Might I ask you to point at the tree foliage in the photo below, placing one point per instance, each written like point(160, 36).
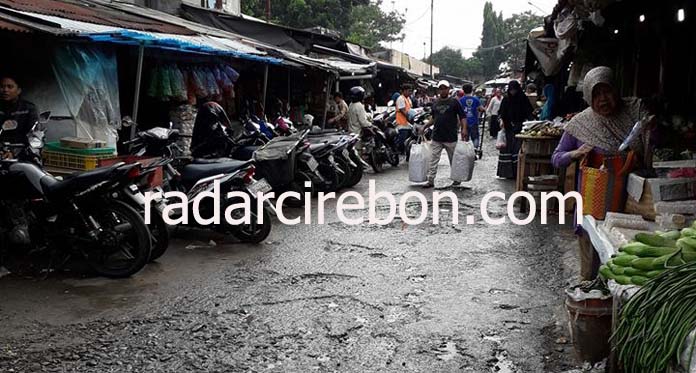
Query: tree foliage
point(504, 40)
point(452, 62)
point(359, 21)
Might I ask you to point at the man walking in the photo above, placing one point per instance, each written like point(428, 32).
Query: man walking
point(449, 120)
point(403, 106)
point(472, 107)
point(492, 110)
point(340, 121)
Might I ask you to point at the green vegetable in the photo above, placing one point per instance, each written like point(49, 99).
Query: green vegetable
point(606, 273)
point(653, 325)
point(639, 280)
point(671, 235)
point(622, 280)
point(647, 264)
point(689, 242)
point(624, 260)
point(617, 270)
point(630, 271)
point(662, 262)
point(633, 248)
point(688, 232)
point(655, 273)
point(655, 240)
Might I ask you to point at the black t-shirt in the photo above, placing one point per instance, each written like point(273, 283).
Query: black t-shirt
point(447, 114)
point(24, 113)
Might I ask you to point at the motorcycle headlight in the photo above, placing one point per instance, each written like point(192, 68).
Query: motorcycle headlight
point(36, 143)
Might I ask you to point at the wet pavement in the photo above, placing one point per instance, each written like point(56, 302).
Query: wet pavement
point(329, 298)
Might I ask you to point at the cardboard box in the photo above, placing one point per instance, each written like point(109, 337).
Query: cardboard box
point(80, 143)
point(661, 189)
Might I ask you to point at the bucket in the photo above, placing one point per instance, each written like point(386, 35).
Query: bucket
point(590, 328)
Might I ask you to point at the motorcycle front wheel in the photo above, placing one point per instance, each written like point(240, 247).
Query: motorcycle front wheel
point(356, 176)
point(344, 177)
point(159, 231)
point(376, 161)
point(124, 244)
point(254, 232)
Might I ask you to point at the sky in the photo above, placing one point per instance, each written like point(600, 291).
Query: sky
point(458, 23)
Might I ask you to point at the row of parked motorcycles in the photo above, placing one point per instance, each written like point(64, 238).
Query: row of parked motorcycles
point(97, 217)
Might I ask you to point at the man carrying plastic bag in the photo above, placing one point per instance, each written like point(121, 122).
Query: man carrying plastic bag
point(419, 162)
point(449, 120)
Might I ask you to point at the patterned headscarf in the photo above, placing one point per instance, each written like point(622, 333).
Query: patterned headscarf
point(606, 133)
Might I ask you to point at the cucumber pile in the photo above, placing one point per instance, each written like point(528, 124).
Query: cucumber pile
point(650, 255)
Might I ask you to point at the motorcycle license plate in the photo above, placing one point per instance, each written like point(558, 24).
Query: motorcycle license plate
point(345, 153)
point(261, 186)
point(312, 164)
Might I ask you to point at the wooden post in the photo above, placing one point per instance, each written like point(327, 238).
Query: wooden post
point(326, 103)
point(265, 88)
point(136, 95)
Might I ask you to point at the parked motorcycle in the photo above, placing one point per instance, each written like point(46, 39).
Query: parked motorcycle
point(75, 216)
point(193, 176)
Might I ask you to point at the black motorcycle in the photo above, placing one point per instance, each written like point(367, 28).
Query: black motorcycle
point(78, 216)
point(193, 176)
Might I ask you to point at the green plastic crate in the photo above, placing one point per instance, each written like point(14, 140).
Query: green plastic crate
point(56, 147)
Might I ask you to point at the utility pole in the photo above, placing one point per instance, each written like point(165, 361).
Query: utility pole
point(268, 10)
point(432, 17)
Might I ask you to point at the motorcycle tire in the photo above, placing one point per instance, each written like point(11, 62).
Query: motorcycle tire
point(298, 185)
point(345, 177)
point(114, 219)
point(393, 158)
point(376, 161)
point(159, 231)
point(356, 176)
point(408, 151)
point(254, 233)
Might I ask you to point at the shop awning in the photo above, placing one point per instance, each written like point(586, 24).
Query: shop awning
point(187, 41)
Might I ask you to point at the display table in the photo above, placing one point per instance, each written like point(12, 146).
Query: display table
point(622, 293)
point(533, 161)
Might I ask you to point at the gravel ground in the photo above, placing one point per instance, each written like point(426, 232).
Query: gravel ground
point(328, 298)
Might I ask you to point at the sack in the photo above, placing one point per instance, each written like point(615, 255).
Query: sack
point(463, 162)
point(603, 183)
point(419, 162)
point(501, 141)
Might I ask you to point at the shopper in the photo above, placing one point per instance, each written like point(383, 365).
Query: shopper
point(403, 107)
point(547, 111)
point(340, 120)
point(449, 120)
point(472, 107)
point(492, 110)
point(514, 110)
point(15, 109)
point(598, 131)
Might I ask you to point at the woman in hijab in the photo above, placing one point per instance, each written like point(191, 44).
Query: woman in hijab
point(598, 131)
point(514, 110)
point(549, 106)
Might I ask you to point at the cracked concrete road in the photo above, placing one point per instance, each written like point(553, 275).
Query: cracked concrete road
point(329, 298)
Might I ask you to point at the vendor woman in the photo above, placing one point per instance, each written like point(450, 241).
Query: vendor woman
point(598, 131)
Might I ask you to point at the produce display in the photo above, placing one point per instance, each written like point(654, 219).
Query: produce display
point(654, 324)
point(542, 129)
point(650, 255)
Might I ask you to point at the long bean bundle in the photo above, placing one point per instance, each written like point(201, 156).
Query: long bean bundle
point(656, 321)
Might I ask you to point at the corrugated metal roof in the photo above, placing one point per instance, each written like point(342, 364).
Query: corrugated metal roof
point(91, 12)
point(11, 26)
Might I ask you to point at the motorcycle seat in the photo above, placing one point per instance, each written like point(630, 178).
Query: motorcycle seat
point(211, 160)
point(52, 186)
point(194, 172)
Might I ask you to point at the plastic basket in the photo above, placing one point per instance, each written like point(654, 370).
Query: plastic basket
point(57, 148)
point(71, 161)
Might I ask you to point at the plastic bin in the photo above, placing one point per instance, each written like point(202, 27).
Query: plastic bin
point(70, 161)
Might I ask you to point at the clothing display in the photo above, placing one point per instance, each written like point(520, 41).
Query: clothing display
point(180, 82)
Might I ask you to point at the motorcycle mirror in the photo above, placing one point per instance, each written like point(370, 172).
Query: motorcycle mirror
point(9, 125)
point(44, 117)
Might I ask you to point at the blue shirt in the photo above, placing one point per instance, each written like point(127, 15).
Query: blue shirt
point(471, 105)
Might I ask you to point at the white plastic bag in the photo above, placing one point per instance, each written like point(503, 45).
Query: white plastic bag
point(463, 161)
point(419, 162)
point(501, 141)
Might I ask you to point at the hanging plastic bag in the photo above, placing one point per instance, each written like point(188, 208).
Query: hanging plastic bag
point(463, 161)
point(419, 162)
point(501, 141)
